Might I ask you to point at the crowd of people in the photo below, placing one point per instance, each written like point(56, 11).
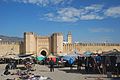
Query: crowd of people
point(99, 64)
point(94, 63)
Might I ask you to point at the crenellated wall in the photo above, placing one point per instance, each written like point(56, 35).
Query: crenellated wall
point(52, 44)
point(7, 47)
point(93, 47)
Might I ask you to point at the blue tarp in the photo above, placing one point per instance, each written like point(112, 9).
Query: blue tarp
point(70, 58)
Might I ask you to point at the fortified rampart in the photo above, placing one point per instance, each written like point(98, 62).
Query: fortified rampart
point(93, 47)
point(45, 45)
point(7, 47)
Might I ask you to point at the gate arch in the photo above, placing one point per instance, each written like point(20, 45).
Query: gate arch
point(43, 52)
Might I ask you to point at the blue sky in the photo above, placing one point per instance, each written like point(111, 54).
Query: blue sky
point(88, 20)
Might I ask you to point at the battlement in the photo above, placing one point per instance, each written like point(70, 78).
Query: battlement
point(94, 44)
point(29, 33)
point(59, 34)
point(9, 43)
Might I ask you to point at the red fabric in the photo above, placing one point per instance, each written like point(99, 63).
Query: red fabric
point(53, 58)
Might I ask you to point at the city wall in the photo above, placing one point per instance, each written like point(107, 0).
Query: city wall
point(7, 48)
point(52, 44)
point(93, 47)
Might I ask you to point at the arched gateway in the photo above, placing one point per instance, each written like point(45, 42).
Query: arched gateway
point(43, 52)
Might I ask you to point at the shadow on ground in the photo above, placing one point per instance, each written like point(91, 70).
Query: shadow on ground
point(117, 78)
point(82, 71)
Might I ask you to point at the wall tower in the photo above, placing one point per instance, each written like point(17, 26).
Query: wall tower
point(30, 42)
point(57, 43)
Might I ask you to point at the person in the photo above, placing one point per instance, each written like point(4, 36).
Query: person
point(6, 72)
point(79, 63)
point(98, 61)
point(70, 62)
point(51, 62)
point(104, 64)
point(7, 67)
point(118, 65)
point(87, 64)
point(113, 64)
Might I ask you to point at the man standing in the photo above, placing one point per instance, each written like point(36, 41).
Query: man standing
point(79, 63)
point(51, 62)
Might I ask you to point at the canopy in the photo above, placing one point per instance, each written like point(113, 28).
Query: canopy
point(52, 56)
point(87, 53)
point(111, 53)
point(25, 55)
point(40, 58)
point(70, 57)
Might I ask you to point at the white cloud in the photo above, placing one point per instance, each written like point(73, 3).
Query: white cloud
point(66, 19)
point(90, 17)
point(113, 12)
point(95, 7)
point(101, 30)
point(49, 15)
point(60, 18)
point(43, 2)
point(92, 12)
point(71, 14)
point(64, 15)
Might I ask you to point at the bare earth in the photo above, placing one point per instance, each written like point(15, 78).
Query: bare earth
point(58, 74)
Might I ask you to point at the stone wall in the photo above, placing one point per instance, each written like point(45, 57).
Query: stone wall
point(57, 43)
point(9, 48)
point(93, 47)
point(54, 43)
point(30, 42)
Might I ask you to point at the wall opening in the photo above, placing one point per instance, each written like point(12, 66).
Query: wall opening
point(44, 53)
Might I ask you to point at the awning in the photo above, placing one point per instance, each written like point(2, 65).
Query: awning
point(87, 53)
point(25, 55)
point(40, 58)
